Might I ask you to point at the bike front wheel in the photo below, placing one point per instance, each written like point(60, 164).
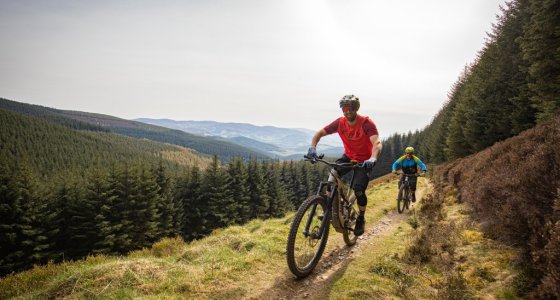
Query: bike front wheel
point(407, 198)
point(350, 213)
point(307, 243)
point(401, 201)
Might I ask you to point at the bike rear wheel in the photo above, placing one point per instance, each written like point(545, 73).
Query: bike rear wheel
point(304, 251)
point(350, 214)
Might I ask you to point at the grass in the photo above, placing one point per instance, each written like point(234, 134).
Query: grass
point(245, 261)
point(466, 264)
point(234, 262)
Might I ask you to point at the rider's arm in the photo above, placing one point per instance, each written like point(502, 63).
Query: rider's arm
point(420, 163)
point(318, 135)
point(377, 146)
point(329, 129)
point(371, 130)
point(397, 163)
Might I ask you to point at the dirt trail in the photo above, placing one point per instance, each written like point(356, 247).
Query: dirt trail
point(287, 287)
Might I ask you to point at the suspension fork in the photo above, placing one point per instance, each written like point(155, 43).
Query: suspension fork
point(324, 221)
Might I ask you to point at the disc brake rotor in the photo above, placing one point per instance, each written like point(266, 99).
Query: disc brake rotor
point(314, 237)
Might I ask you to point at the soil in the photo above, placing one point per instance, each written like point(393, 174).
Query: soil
point(288, 287)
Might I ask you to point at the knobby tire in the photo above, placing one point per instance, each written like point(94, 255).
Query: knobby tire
point(348, 233)
point(407, 198)
point(401, 202)
point(303, 253)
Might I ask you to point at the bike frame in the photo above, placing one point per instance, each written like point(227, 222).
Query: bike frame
point(406, 183)
point(336, 190)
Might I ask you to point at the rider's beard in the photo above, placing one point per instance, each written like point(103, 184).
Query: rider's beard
point(350, 116)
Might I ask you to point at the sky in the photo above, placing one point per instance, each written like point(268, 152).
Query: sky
point(283, 63)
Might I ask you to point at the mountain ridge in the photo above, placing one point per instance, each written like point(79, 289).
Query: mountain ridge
point(101, 122)
point(279, 142)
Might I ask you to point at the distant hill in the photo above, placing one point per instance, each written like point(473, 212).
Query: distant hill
point(98, 122)
point(48, 147)
point(253, 144)
point(276, 141)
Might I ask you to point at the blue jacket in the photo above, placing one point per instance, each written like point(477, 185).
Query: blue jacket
point(409, 165)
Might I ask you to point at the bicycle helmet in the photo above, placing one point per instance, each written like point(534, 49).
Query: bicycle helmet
point(350, 100)
point(409, 150)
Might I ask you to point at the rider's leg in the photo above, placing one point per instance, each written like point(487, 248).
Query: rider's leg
point(360, 184)
point(413, 188)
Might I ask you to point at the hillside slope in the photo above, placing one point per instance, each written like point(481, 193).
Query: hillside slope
point(49, 148)
point(513, 188)
point(249, 262)
point(99, 122)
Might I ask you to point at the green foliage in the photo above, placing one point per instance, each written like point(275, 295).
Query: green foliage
point(189, 194)
point(222, 208)
point(540, 43)
point(258, 197)
point(513, 83)
point(239, 187)
point(22, 215)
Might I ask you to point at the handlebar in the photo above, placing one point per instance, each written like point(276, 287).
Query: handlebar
point(409, 175)
point(353, 164)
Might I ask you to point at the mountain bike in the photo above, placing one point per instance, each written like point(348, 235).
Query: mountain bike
point(334, 203)
point(405, 191)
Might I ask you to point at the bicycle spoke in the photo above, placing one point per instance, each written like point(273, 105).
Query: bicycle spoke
point(351, 214)
point(305, 246)
point(305, 242)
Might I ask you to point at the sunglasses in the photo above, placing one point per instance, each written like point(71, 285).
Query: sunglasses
point(347, 108)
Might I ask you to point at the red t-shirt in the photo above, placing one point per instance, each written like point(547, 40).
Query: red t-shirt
point(357, 145)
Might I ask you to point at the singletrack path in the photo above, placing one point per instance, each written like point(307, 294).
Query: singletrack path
point(288, 287)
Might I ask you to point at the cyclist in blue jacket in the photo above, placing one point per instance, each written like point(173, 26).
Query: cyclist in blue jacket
point(409, 164)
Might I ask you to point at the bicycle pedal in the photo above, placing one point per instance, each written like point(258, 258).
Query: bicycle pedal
point(320, 217)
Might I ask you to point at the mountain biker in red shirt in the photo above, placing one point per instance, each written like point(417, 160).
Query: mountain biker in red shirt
point(361, 143)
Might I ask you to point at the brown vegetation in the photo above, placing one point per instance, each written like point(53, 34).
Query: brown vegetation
point(513, 188)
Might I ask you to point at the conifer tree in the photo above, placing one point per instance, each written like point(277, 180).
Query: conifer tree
point(237, 175)
point(169, 212)
point(100, 190)
point(540, 44)
point(222, 210)
point(114, 218)
point(195, 208)
point(143, 213)
point(11, 214)
point(303, 188)
point(289, 182)
point(23, 238)
point(59, 207)
point(279, 203)
point(260, 201)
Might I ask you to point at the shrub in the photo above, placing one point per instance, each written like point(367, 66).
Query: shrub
point(513, 188)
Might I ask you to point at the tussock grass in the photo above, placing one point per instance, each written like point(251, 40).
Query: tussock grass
point(449, 258)
point(226, 264)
